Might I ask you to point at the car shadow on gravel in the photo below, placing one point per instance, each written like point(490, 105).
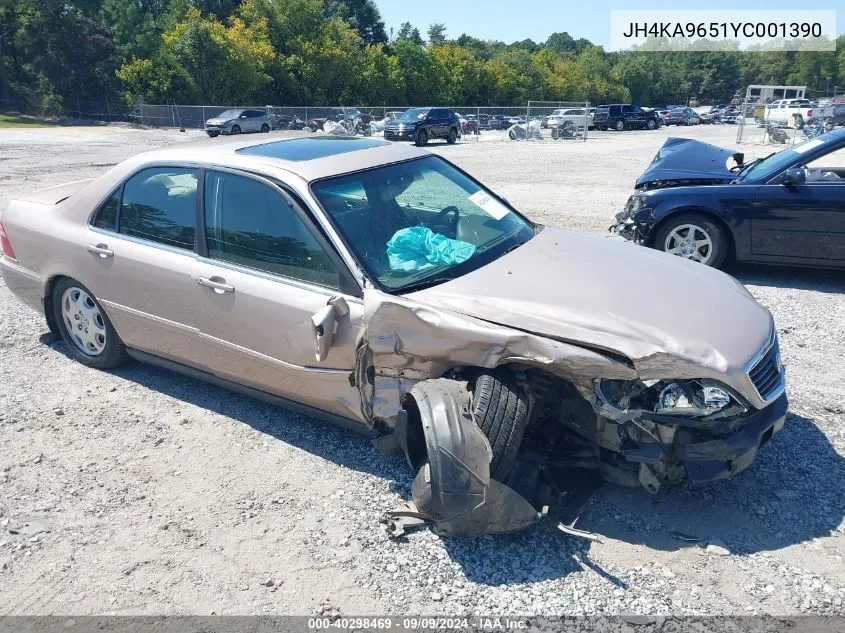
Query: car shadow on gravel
point(341, 446)
point(819, 280)
point(791, 494)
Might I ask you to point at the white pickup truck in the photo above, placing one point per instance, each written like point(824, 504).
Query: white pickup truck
point(794, 112)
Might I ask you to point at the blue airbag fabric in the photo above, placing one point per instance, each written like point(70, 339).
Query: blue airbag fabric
point(418, 248)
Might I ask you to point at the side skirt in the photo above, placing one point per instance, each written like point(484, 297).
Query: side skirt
point(269, 398)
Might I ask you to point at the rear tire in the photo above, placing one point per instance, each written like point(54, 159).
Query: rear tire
point(501, 411)
point(453, 136)
point(236, 129)
point(619, 126)
point(113, 352)
point(265, 129)
point(651, 124)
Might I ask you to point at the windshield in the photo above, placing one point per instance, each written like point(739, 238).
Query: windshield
point(414, 114)
point(229, 114)
point(775, 163)
point(420, 222)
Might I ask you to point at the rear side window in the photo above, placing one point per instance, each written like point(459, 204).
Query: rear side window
point(160, 205)
point(250, 224)
point(106, 216)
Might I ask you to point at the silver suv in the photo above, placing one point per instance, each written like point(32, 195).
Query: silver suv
point(238, 121)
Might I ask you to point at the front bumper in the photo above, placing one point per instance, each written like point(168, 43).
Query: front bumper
point(654, 449)
point(625, 226)
point(707, 457)
point(400, 135)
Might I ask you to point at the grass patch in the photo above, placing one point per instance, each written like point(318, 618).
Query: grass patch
point(14, 120)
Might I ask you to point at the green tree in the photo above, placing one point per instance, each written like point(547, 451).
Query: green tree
point(409, 33)
point(436, 34)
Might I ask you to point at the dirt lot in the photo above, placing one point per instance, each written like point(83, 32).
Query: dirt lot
point(140, 491)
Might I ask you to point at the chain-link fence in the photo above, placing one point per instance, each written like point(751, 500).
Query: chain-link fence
point(105, 110)
point(550, 119)
point(561, 119)
point(759, 125)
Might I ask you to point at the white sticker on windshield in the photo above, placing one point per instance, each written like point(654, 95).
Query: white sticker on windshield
point(806, 147)
point(489, 204)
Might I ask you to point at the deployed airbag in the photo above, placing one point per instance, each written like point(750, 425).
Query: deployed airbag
point(418, 248)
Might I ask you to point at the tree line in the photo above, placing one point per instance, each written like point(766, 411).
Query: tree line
point(54, 53)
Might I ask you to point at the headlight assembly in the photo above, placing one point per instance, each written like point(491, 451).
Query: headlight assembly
point(690, 398)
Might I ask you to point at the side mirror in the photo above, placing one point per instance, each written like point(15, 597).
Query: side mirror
point(323, 325)
point(243, 116)
point(793, 176)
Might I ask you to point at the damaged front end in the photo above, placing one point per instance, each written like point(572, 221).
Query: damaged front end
point(592, 419)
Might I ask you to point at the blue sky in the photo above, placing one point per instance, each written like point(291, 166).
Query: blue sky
point(537, 19)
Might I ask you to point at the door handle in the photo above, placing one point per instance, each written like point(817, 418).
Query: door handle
point(218, 284)
point(100, 249)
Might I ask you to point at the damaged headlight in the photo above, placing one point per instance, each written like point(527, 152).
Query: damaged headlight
point(692, 398)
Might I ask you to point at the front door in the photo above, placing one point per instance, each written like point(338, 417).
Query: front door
point(266, 273)
point(805, 221)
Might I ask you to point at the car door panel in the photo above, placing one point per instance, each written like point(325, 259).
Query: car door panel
point(146, 293)
point(800, 222)
point(262, 336)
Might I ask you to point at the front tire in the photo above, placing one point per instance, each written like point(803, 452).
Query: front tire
point(693, 236)
point(236, 129)
point(84, 326)
point(619, 126)
point(453, 136)
point(421, 139)
point(500, 409)
point(213, 134)
point(651, 124)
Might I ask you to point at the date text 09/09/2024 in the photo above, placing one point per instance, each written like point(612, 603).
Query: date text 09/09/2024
point(419, 623)
point(723, 29)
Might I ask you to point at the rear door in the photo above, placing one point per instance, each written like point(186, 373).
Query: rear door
point(141, 262)
point(264, 272)
point(804, 223)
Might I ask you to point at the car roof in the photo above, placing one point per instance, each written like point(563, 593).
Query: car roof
point(310, 158)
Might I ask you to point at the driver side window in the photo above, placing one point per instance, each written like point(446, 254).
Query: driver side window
point(829, 168)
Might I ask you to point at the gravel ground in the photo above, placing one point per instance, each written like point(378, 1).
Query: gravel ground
point(139, 491)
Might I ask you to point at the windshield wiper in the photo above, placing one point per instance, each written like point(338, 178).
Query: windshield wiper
point(513, 248)
point(423, 284)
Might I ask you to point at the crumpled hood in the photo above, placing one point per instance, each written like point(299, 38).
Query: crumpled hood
point(670, 316)
point(686, 158)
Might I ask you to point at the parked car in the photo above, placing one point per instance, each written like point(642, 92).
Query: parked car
point(682, 116)
point(837, 117)
point(786, 208)
point(469, 124)
point(622, 117)
point(499, 122)
point(707, 118)
point(380, 287)
point(393, 114)
point(424, 124)
point(577, 116)
point(237, 122)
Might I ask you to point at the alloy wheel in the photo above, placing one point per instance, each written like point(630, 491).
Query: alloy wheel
point(689, 241)
point(84, 322)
